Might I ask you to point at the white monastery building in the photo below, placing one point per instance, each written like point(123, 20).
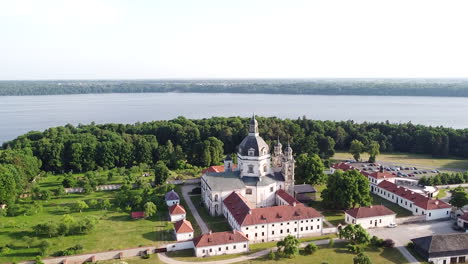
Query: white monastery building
point(369, 217)
point(183, 230)
point(257, 176)
point(220, 243)
point(176, 213)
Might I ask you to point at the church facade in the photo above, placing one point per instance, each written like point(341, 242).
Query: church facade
point(258, 175)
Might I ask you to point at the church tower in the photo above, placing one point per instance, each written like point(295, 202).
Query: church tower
point(288, 170)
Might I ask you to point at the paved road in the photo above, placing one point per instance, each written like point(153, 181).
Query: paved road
point(164, 258)
point(411, 259)
point(201, 223)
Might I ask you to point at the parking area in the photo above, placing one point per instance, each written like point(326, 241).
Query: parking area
point(403, 233)
point(398, 170)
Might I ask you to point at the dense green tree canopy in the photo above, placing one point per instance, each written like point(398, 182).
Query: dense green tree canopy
point(309, 169)
point(347, 190)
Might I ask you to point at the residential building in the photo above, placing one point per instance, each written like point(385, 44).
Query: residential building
point(257, 176)
point(176, 213)
point(183, 230)
point(369, 217)
point(462, 221)
point(304, 192)
point(272, 223)
point(220, 243)
point(443, 248)
point(417, 203)
point(171, 198)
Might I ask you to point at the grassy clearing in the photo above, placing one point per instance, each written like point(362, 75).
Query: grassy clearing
point(335, 217)
point(442, 193)
point(412, 160)
point(400, 211)
point(339, 254)
point(214, 223)
point(115, 229)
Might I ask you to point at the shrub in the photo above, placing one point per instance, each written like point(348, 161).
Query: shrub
point(271, 255)
point(4, 250)
point(146, 256)
point(331, 243)
point(354, 248)
point(388, 243)
point(410, 245)
point(361, 259)
point(310, 249)
point(376, 242)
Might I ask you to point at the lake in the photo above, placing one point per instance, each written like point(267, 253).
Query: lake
point(20, 114)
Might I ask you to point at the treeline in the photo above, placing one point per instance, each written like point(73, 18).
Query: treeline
point(182, 142)
point(395, 87)
point(444, 178)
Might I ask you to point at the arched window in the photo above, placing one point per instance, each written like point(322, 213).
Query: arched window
point(250, 169)
point(216, 208)
point(264, 168)
point(216, 198)
point(251, 152)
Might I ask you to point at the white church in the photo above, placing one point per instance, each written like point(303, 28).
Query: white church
point(257, 176)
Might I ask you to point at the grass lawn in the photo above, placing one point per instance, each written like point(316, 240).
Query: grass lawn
point(442, 193)
point(335, 217)
point(400, 211)
point(115, 229)
point(412, 159)
point(188, 256)
point(339, 254)
point(214, 223)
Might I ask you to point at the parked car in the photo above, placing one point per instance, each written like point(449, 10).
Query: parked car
point(425, 172)
point(393, 225)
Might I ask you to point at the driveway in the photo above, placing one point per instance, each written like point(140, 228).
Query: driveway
point(185, 193)
point(402, 234)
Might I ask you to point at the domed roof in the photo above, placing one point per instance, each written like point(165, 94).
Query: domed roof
point(253, 142)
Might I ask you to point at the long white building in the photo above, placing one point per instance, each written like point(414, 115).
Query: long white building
point(272, 223)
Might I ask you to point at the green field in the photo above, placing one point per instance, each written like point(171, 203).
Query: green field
point(418, 160)
point(338, 254)
point(214, 223)
point(115, 228)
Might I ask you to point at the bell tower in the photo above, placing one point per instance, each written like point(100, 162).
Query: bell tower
point(288, 170)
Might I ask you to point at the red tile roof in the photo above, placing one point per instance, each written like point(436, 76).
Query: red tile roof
point(183, 226)
point(371, 211)
point(344, 166)
point(219, 238)
point(418, 199)
point(380, 175)
point(287, 197)
point(136, 215)
point(464, 216)
point(246, 215)
point(218, 168)
point(176, 209)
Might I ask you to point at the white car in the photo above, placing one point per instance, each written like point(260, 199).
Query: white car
point(393, 225)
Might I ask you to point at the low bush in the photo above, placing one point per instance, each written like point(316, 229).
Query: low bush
point(388, 243)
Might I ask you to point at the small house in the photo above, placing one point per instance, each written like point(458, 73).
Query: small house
point(176, 213)
point(371, 216)
point(171, 198)
point(220, 243)
point(183, 230)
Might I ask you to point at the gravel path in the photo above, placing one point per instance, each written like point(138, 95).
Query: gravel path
point(201, 223)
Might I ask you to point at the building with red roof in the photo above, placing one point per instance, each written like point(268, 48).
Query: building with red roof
point(220, 243)
point(284, 198)
point(344, 166)
point(415, 202)
point(137, 215)
point(371, 216)
point(217, 168)
point(176, 213)
point(271, 223)
point(183, 230)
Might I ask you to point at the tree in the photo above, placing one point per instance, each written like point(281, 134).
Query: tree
point(347, 190)
point(310, 248)
point(309, 169)
point(289, 246)
point(105, 204)
point(29, 241)
point(150, 209)
point(356, 148)
point(355, 233)
point(44, 247)
point(361, 259)
point(80, 206)
point(374, 150)
point(331, 243)
point(161, 173)
point(92, 203)
point(271, 255)
point(459, 197)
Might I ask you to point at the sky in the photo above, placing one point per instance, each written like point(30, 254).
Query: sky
point(198, 39)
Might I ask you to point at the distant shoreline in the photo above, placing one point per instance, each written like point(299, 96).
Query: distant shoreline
point(360, 87)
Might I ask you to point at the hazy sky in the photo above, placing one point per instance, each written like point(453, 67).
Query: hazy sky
point(92, 39)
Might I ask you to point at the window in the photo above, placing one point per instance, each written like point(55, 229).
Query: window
point(246, 228)
point(287, 230)
point(302, 229)
point(295, 229)
point(272, 232)
point(255, 234)
point(447, 212)
point(307, 228)
point(311, 227)
point(264, 168)
point(227, 248)
point(245, 245)
point(256, 227)
point(219, 249)
point(263, 233)
point(211, 250)
point(429, 214)
point(234, 247)
point(250, 169)
point(263, 226)
point(189, 235)
point(248, 191)
point(247, 235)
point(216, 198)
point(271, 189)
point(251, 152)
point(380, 220)
point(203, 251)
point(318, 227)
point(281, 223)
point(281, 231)
point(371, 222)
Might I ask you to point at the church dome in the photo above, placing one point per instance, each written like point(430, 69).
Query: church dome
point(255, 143)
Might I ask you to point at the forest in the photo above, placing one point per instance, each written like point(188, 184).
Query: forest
point(182, 143)
point(378, 87)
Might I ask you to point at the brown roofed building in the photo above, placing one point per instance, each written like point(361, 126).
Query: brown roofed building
point(371, 216)
point(462, 221)
point(183, 230)
point(443, 248)
point(284, 198)
point(271, 223)
point(220, 243)
point(176, 213)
